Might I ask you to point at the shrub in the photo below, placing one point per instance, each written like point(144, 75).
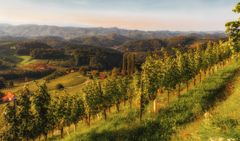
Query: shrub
point(59, 86)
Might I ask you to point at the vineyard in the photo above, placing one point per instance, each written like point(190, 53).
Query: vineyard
point(37, 113)
point(151, 102)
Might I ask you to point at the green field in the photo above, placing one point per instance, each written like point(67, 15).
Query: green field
point(24, 60)
point(72, 83)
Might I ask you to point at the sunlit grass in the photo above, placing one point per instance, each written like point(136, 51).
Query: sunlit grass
point(24, 60)
point(225, 110)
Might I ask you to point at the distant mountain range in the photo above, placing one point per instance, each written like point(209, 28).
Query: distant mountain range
point(110, 40)
point(78, 33)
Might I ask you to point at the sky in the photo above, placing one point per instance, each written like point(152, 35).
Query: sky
point(173, 15)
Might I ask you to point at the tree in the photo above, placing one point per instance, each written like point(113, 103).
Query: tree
point(25, 116)
point(112, 92)
point(59, 86)
point(134, 87)
point(77, 110)
point(67, 118)
point(10, 116)
point(108, 91)
point(171, 75)
point(61, 112)
point(197, 58)
point(185, 69)
point(193, 66)
point(93, 98)
point(152, 75)
point(233, 31)
point(41, 101)
point(53, 113)
point(144, 99)
point(122, 85)
point(131, 92)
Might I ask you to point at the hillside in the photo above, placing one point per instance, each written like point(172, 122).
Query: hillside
point(160, 126)
point(53, 41)
point(110, 40)
point(181, 42)
point(69, 81)
point(219, 123)
point(75, 32)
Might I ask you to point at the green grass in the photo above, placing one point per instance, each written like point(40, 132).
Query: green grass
point(25, 60)
point(72, 82)
point(126, 126)
point(223, 121)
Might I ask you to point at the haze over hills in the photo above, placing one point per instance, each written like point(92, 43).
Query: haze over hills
point(79, 32)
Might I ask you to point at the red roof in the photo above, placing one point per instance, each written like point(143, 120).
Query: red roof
point(8, 97)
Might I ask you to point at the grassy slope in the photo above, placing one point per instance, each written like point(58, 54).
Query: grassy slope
point(28, 60)
point(126, 126)
point(24, 60)
point(70, 81)
point(73, 82)
point(220, 123)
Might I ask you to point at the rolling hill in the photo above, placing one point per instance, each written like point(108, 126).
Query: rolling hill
point(76, 32)
point(110, 40)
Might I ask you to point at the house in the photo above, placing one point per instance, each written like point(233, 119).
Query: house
point(7, 97)
point(41, 67)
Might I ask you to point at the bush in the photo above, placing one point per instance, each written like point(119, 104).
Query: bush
point(59, 86)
